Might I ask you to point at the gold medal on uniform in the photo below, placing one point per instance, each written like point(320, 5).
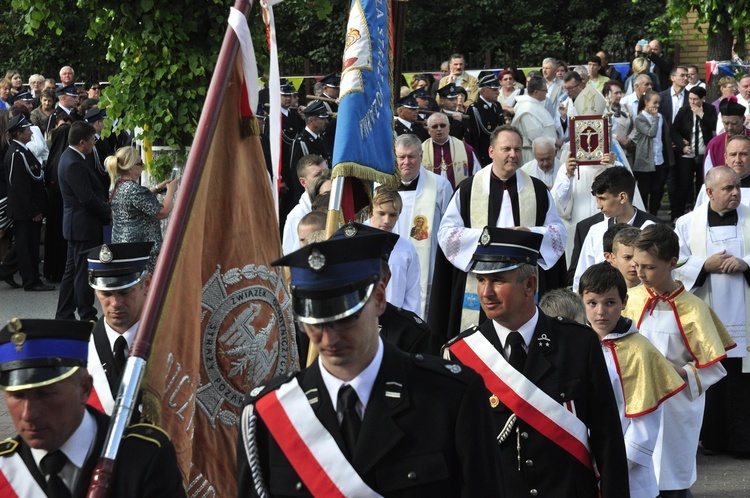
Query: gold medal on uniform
point(494, 401)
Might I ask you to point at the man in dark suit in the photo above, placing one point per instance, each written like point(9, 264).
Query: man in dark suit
point(673, 99)
point(27, 205)
point(693, 127)
point(370, 418)
point(85, 212)
point(119, 276)
point(59, 441)
point(546, 379)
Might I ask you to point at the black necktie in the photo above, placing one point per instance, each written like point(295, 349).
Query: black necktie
point(51, 465)
point(350, 422)
point(517, 357)
point(121, 345)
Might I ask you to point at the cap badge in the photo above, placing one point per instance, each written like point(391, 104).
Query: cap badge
point(485, 238)
point(105, 254)
point(350, 230)
point(494, 401)
point(316, 260)
point(17, 337)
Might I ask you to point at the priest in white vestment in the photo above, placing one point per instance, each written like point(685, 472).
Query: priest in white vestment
point(425, 197)
point(499, 195)
point(532, 118)
point(715, 266)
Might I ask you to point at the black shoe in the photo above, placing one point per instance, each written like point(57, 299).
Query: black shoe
point(11, 281)
point(39, 287)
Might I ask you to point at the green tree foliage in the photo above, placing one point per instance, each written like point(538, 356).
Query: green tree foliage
point(720, 24)
point(45, 51)
point(162, 52)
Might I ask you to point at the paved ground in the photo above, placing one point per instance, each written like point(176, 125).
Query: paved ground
point(717, 475)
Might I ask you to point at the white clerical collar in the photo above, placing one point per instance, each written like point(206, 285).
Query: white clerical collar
point(446, 141)
point(76, 449)
point(526, 330)
point(78, 151)
point(416, 179)
point(362, 383)
point(112, 334)
point(314, 135)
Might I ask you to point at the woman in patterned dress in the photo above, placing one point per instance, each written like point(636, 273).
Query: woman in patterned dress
point(136, 211)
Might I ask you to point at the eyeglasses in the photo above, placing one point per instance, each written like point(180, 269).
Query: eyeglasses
point(569, 88)
point(436, 126)
point(95, 88)
point(507, 79)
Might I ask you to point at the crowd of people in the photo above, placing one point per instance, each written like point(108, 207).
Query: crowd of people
point(590, 342)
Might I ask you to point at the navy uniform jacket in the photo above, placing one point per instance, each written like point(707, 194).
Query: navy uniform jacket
point(484, 118)
point(416, 129)
point(569, 367)
point(433, 438)
point(407, 331)
point(27, 197)
point(85, 208)
point(103, 148)
point(147, 463)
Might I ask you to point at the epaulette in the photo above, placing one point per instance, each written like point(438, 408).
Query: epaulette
point(444, 367)
point(8, 447)
point(147, 432)
point(261, 390)
point(467, 332)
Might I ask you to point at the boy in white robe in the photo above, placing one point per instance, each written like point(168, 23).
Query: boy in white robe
point(641, 377)
point(403, 290)
point(690, 335)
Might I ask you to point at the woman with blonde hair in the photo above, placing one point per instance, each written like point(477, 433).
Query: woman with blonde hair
point(136, 212)
point(641, 65)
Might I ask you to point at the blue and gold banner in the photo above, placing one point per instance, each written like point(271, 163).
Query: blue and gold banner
point(364, 129)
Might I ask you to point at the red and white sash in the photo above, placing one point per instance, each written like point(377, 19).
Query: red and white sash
point(101, 396)
point(16, 481)
point(308, 445)
point(527, 401)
